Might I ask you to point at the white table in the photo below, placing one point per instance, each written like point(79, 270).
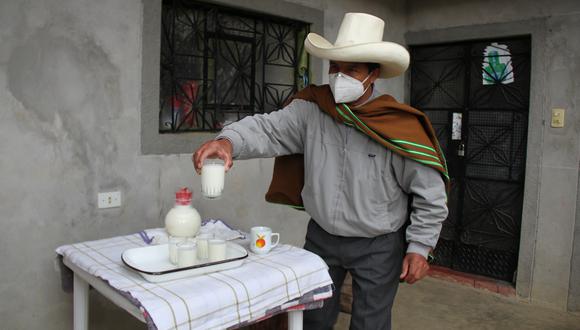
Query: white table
point(84, 280)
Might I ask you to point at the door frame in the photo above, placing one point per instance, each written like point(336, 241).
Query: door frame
point(536, 29)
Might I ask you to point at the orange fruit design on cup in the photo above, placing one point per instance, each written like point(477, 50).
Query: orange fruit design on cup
point(260, 242)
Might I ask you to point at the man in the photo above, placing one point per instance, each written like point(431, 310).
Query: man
point(364, 155)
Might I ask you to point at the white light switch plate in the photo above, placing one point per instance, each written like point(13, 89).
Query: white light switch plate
point(558, 118)
point(109, 199)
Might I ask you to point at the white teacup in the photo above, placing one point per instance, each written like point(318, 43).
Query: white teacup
point(212, 178)
point(261, 239)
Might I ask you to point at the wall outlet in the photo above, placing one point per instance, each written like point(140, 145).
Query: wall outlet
point(109, 199)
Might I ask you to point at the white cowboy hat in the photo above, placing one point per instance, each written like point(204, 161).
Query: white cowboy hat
point(360, 39)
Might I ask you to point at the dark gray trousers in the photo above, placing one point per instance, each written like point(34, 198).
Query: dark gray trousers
point(374, 264)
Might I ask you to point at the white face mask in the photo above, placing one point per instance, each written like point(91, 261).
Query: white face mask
point(345, 88)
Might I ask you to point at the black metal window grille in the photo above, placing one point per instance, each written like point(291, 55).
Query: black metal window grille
point(221, 64)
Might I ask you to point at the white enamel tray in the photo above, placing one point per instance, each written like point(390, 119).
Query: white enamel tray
point(152, 262)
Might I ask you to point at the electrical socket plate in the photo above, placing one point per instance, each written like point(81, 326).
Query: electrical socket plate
point(558, 117)
point(109, 199)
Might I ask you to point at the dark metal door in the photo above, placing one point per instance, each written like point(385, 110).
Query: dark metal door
point(476, 94)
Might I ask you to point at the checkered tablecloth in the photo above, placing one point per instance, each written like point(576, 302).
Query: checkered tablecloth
point(286, 278)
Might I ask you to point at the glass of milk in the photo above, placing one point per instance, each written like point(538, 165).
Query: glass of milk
point(216, 250)
point(212, 178)
point(174, 241)
point(186, 253)
point(202, 241)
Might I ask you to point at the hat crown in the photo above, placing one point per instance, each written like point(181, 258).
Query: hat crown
point(359, 28)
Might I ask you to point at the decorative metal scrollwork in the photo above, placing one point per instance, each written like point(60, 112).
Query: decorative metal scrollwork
point(220, 64)
point(486, 86)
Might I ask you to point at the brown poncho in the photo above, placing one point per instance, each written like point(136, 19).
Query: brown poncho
point(399, 127)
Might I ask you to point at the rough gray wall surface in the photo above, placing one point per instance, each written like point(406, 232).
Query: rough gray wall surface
point(553, 277)
point(70, 93)
point(568, 65)
point(434, 14)
point(69, 85)
point(555, 259)
point(574, 294)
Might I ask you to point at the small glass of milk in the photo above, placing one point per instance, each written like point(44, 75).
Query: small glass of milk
point(217, 250)
point(174, 241)
point(202, 241)
point(212, 178)
point(186, 253)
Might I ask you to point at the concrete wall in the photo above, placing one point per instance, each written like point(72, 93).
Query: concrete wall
point(549, 266)
point(574, 294)
point(70, 107)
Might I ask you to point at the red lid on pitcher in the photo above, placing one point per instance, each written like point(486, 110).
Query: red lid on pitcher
point(183, 196)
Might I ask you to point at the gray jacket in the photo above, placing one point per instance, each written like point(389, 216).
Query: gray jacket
point(353, 185)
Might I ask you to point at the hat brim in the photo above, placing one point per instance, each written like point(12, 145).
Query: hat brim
point(393, 58)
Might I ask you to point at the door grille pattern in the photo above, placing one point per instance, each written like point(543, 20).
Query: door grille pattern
point(481, 233)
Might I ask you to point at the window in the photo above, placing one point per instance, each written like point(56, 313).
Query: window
point(221, 64)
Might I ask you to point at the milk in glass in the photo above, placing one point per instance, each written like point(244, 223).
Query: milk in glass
point(212, 178)
point(216, 250)
point(186, 254)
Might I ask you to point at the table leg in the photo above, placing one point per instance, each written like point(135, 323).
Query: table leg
point(81, 303)
point(295, 320)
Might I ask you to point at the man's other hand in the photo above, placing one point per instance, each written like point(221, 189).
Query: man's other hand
point(415, 267)
point(221, 149)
